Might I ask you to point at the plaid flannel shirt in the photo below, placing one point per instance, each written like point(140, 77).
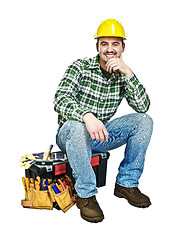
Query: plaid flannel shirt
point(84, 88)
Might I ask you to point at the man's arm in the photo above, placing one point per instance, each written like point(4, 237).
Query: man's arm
point(64, 100)
point(135, 93)
point(68, 108)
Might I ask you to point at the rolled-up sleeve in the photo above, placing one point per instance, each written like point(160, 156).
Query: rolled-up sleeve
point(136, 95)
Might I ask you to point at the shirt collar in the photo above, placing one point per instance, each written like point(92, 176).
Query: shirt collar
point(94, 64)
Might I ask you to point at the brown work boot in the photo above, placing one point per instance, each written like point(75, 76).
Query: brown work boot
point(89, 209)
point(133, 195)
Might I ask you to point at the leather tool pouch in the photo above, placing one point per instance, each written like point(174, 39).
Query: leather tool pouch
point(63, 199)
point(38, 199)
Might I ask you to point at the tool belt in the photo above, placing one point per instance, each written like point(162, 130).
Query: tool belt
point(49, 182)
point(46, 182)
point(48, 193)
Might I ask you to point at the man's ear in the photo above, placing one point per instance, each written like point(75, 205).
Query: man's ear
point(123, 47)
point(97, 47)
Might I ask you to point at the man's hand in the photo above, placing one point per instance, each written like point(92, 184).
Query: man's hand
point(117, 64)
point(95, 127)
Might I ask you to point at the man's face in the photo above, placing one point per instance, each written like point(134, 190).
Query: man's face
point(109, 47)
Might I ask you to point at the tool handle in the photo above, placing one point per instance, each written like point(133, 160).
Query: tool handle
point(62, 185)
point(27, 184)
point(56, 190)
point(47, 153)
point(24, 182)
point(51, 193)
point(37, 186)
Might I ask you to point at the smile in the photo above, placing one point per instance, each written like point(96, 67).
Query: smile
point(110, 55)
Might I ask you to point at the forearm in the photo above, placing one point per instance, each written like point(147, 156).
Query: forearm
point(136, 95)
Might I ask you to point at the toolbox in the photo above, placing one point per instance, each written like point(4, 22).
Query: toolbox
point(58, 165)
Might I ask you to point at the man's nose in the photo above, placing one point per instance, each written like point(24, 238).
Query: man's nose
point(109, 48)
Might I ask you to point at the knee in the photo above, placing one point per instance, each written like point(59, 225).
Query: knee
point(146, 121)
point(73, 134)
point(76, 130)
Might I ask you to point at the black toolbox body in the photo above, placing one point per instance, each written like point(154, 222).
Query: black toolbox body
point(51, 169)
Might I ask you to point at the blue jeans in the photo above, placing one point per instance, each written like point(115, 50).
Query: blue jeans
point(134, 130)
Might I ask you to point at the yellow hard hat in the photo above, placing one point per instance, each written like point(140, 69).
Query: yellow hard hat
point(110, 28)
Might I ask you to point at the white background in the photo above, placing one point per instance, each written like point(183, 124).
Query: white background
point(39, 39)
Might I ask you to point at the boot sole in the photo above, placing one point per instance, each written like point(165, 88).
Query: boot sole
point(139, 205)
point(92, 220)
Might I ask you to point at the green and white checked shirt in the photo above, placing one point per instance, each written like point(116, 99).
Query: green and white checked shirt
point(85, 89)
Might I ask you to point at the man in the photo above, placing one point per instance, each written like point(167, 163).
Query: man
point(87, 97)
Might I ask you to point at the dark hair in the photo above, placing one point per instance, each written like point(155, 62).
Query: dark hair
point(99, 38)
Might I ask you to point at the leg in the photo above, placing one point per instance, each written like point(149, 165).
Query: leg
point(74, 139)
point(135, 131)
point(131, 168)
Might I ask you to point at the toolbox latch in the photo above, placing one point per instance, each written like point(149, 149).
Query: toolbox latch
point(95, 161)
point(49, 168)
point(60, 169)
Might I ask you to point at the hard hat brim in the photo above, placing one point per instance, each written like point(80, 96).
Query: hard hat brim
point(96, 37)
